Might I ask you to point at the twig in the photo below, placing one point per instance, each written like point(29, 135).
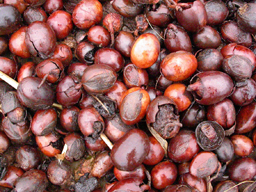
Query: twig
point(9, 80)
point(106, 140)
point(238, 185)
point(154, 29)
point(100, 103)
point(58, 106)
point(61, 156)
point(161, 140)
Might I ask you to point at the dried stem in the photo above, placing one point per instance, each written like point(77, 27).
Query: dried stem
point(209, 184)
point(9, 80)
point(161, 140)
point(158, 79)
point(253, 36)
point(153, 28)
point(58, 106)
point(238, 185)
point(61, 156)
point(217, 174)
point(191, 105)
point(100, 103)
point(106, 140)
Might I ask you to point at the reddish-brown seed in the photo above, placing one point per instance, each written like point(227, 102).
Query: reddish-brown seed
point(130, 151)
point(156, 152)
point(177, 92)
point(17, 43)
point(145, 50)
point(87, 13)
point(164, 174)
point(134, 105)
point(203, 164)
point(178, 66)
point(243, 145)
